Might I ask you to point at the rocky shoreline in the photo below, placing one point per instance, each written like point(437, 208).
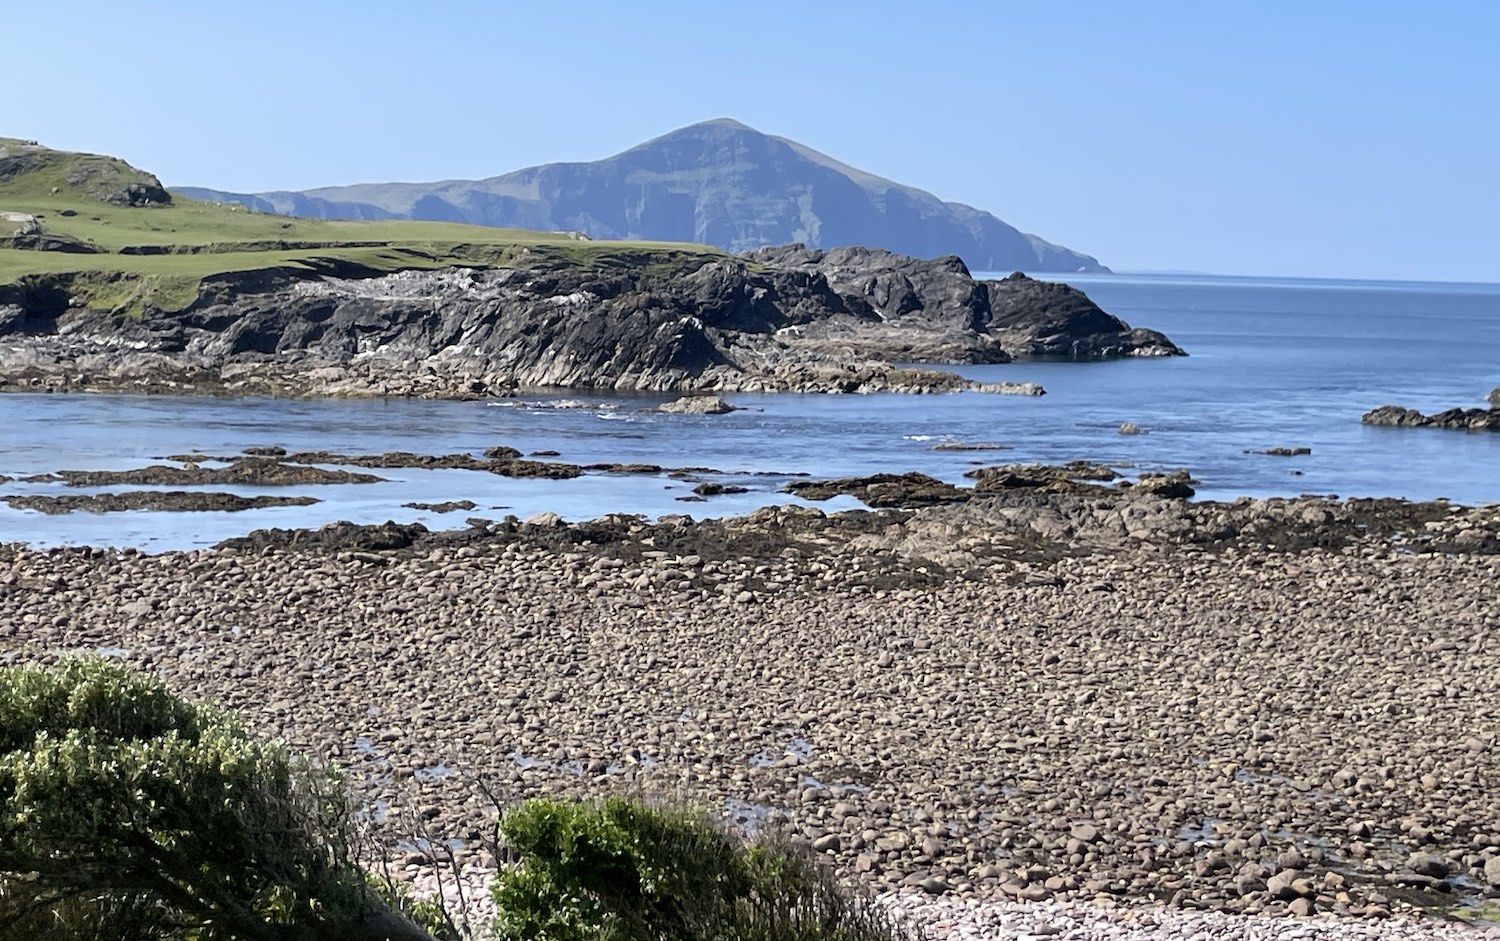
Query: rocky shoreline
point(774, 320)
point(1093, 696)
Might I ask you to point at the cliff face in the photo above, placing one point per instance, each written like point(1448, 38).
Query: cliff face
point(716, 183)
point(790, 318)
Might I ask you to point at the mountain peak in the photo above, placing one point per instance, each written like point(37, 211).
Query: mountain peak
point(718, 182)
point(725, 123)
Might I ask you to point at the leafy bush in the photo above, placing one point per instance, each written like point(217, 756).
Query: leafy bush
point(620, 870)
point(126, 812)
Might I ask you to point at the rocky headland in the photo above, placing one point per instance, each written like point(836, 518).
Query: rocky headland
point(1062, 691)
point(786, 319)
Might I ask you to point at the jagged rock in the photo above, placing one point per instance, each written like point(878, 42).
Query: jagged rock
point(1044, 318)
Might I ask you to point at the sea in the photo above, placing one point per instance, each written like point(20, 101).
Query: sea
point(1273, 363)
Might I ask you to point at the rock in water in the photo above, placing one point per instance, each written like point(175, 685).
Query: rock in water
point(698, 405)
point(1461, 419)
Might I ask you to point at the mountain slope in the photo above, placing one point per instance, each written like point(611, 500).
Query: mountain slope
point(717, 183)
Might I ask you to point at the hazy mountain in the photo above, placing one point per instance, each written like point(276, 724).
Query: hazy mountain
point(719, 183)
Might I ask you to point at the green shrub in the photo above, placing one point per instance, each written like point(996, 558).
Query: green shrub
point(620, 870)
point(126, 812)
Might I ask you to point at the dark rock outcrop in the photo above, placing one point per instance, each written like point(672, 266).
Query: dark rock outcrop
point(785, 319)
point(717, 183)
point(883, 490)
point(1044, 318)
point(1460, 419)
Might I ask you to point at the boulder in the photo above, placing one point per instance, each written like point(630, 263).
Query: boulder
point(1176, 485)
point(697, 405)
point(1428, 864)
point(1492, 872)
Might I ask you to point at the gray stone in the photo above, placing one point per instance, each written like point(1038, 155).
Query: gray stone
point(1428, 864)
point(1492, 872)
point(697, 405)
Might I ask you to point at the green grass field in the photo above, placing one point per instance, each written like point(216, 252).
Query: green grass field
point(158, 255)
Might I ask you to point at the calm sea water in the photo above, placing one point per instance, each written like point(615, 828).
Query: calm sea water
point(1274, 363)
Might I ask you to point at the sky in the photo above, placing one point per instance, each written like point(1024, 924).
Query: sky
point(1337, 138)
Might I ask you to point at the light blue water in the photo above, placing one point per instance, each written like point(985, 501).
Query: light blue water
point(1273, 363)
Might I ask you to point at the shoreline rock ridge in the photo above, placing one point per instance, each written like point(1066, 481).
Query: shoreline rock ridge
point(776, 319)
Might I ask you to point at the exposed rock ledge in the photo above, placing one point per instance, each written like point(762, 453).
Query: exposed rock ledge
point(1461, 419)
point(783, 319)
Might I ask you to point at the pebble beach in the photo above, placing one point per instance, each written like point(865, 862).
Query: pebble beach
point(1145, 739)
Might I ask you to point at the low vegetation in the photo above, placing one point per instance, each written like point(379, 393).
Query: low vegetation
point(118, 242)
point(127, 814)
point(620, 870)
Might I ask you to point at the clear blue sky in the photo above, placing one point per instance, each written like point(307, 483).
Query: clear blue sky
point(1339, 138)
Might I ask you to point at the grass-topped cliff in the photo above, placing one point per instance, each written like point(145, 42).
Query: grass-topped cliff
point(115, 239)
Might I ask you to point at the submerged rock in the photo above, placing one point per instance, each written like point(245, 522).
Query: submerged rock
point(449, 506)
point(1284, 452)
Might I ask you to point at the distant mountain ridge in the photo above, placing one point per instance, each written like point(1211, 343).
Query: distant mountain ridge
point(717, 183)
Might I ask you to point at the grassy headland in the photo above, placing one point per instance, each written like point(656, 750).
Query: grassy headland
point(113, 237)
